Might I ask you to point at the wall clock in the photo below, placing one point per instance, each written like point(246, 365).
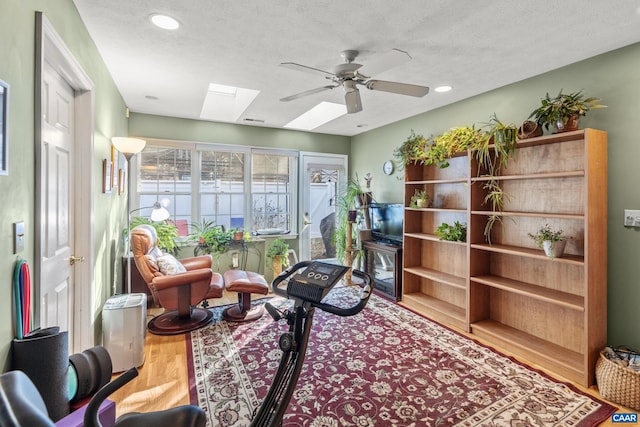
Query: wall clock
point(387, 167)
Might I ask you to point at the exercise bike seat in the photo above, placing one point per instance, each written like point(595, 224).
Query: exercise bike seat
point(183, 416)
point(21, 403)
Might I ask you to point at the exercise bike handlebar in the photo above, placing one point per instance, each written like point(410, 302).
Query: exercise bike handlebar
point(365, 293)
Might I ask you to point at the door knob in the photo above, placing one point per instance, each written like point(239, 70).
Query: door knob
point(73, 259)
point(306, 219)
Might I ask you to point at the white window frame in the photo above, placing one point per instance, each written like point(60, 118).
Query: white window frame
point(197, 148)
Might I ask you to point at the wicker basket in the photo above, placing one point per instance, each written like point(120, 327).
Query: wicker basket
point(617, 383)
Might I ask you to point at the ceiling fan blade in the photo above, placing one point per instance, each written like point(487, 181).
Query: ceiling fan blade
point(306, 93)
point(305, 68)
point(384, 62)
point(399, 88)
point(352, 99)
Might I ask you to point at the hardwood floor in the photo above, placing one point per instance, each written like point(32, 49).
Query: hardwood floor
point(162, 382)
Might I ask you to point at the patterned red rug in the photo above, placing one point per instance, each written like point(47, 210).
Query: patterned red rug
point(385, 366)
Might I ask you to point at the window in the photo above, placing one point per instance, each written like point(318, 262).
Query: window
point(237, 187)
point(222, 188)
point(271, 191)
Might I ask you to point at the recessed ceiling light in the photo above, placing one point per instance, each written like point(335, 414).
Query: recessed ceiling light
point(164, 21)
point(443, 88)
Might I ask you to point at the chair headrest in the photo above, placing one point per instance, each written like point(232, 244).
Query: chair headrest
point(143, 239)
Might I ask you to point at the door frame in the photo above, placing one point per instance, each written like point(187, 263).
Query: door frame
point(51, 48)
point(304, 202)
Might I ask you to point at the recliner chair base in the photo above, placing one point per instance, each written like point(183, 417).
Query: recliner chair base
point(170, 323)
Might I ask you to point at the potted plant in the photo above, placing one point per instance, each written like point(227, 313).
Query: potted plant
point(503, 138)
point(210, 238)
point(564, 110)
point(455, 140)
point(278, 255)
point(452, 233)
point(420, 199)
point(552, 241)
point(412, 149)
point(167, 233)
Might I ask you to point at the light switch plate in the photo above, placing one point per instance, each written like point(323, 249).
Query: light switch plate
point(631, 218)
point(18, 237)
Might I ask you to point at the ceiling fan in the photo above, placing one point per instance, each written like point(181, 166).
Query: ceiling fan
point(350, 75)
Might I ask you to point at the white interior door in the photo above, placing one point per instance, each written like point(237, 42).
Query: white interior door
point(64, 127)
point(57, 279)
point(322, 177)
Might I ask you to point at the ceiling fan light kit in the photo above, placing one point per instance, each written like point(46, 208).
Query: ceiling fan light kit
point(350, 74)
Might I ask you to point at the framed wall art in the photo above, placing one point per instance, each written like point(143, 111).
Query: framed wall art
point(106, 176)
point(4, 128)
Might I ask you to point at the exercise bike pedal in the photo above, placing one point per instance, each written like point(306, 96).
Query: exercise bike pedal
point(274, 312)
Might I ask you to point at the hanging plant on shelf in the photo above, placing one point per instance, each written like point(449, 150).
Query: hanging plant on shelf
point(503, 139)
point(412, 149)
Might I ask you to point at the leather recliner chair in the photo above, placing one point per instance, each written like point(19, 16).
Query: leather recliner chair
point(177, 292)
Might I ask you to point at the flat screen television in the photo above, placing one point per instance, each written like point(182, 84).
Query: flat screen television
point(386, 222)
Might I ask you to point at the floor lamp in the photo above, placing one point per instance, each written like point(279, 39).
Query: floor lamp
point(128, 147)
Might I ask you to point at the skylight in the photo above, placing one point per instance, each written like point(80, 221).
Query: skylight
point(226, 103)
point(317, 116)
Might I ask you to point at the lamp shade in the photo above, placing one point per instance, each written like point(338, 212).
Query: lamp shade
point(159, 213)
point(127, 145)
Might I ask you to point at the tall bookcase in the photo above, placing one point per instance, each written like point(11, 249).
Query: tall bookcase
point(551, 312)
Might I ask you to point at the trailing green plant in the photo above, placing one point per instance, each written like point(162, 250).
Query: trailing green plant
point(503, 139)
point(347, 201)
point(546, 233)
point(561, 107)
point(455, 140)
point(210, 238)
point(453, 233)
point(439, 149)
point(166, 232)
point(279, 247)
point(412, 149)
point(418, 195)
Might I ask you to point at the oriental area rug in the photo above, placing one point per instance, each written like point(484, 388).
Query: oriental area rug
point(386, 366)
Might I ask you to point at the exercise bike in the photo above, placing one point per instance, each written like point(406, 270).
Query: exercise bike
point(307, 284)
point(307, 288)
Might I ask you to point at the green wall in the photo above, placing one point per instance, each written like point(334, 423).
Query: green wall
point(17, 68)
point(150, 126)
point(612, 77)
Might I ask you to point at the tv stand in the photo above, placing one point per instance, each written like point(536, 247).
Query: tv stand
point(382, 260)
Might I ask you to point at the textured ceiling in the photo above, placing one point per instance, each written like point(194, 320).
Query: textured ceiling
point(473, 45)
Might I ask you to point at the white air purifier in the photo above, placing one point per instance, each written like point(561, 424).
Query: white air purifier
point(124, 328)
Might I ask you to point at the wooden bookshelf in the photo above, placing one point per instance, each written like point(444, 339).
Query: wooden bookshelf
point(551, 312)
